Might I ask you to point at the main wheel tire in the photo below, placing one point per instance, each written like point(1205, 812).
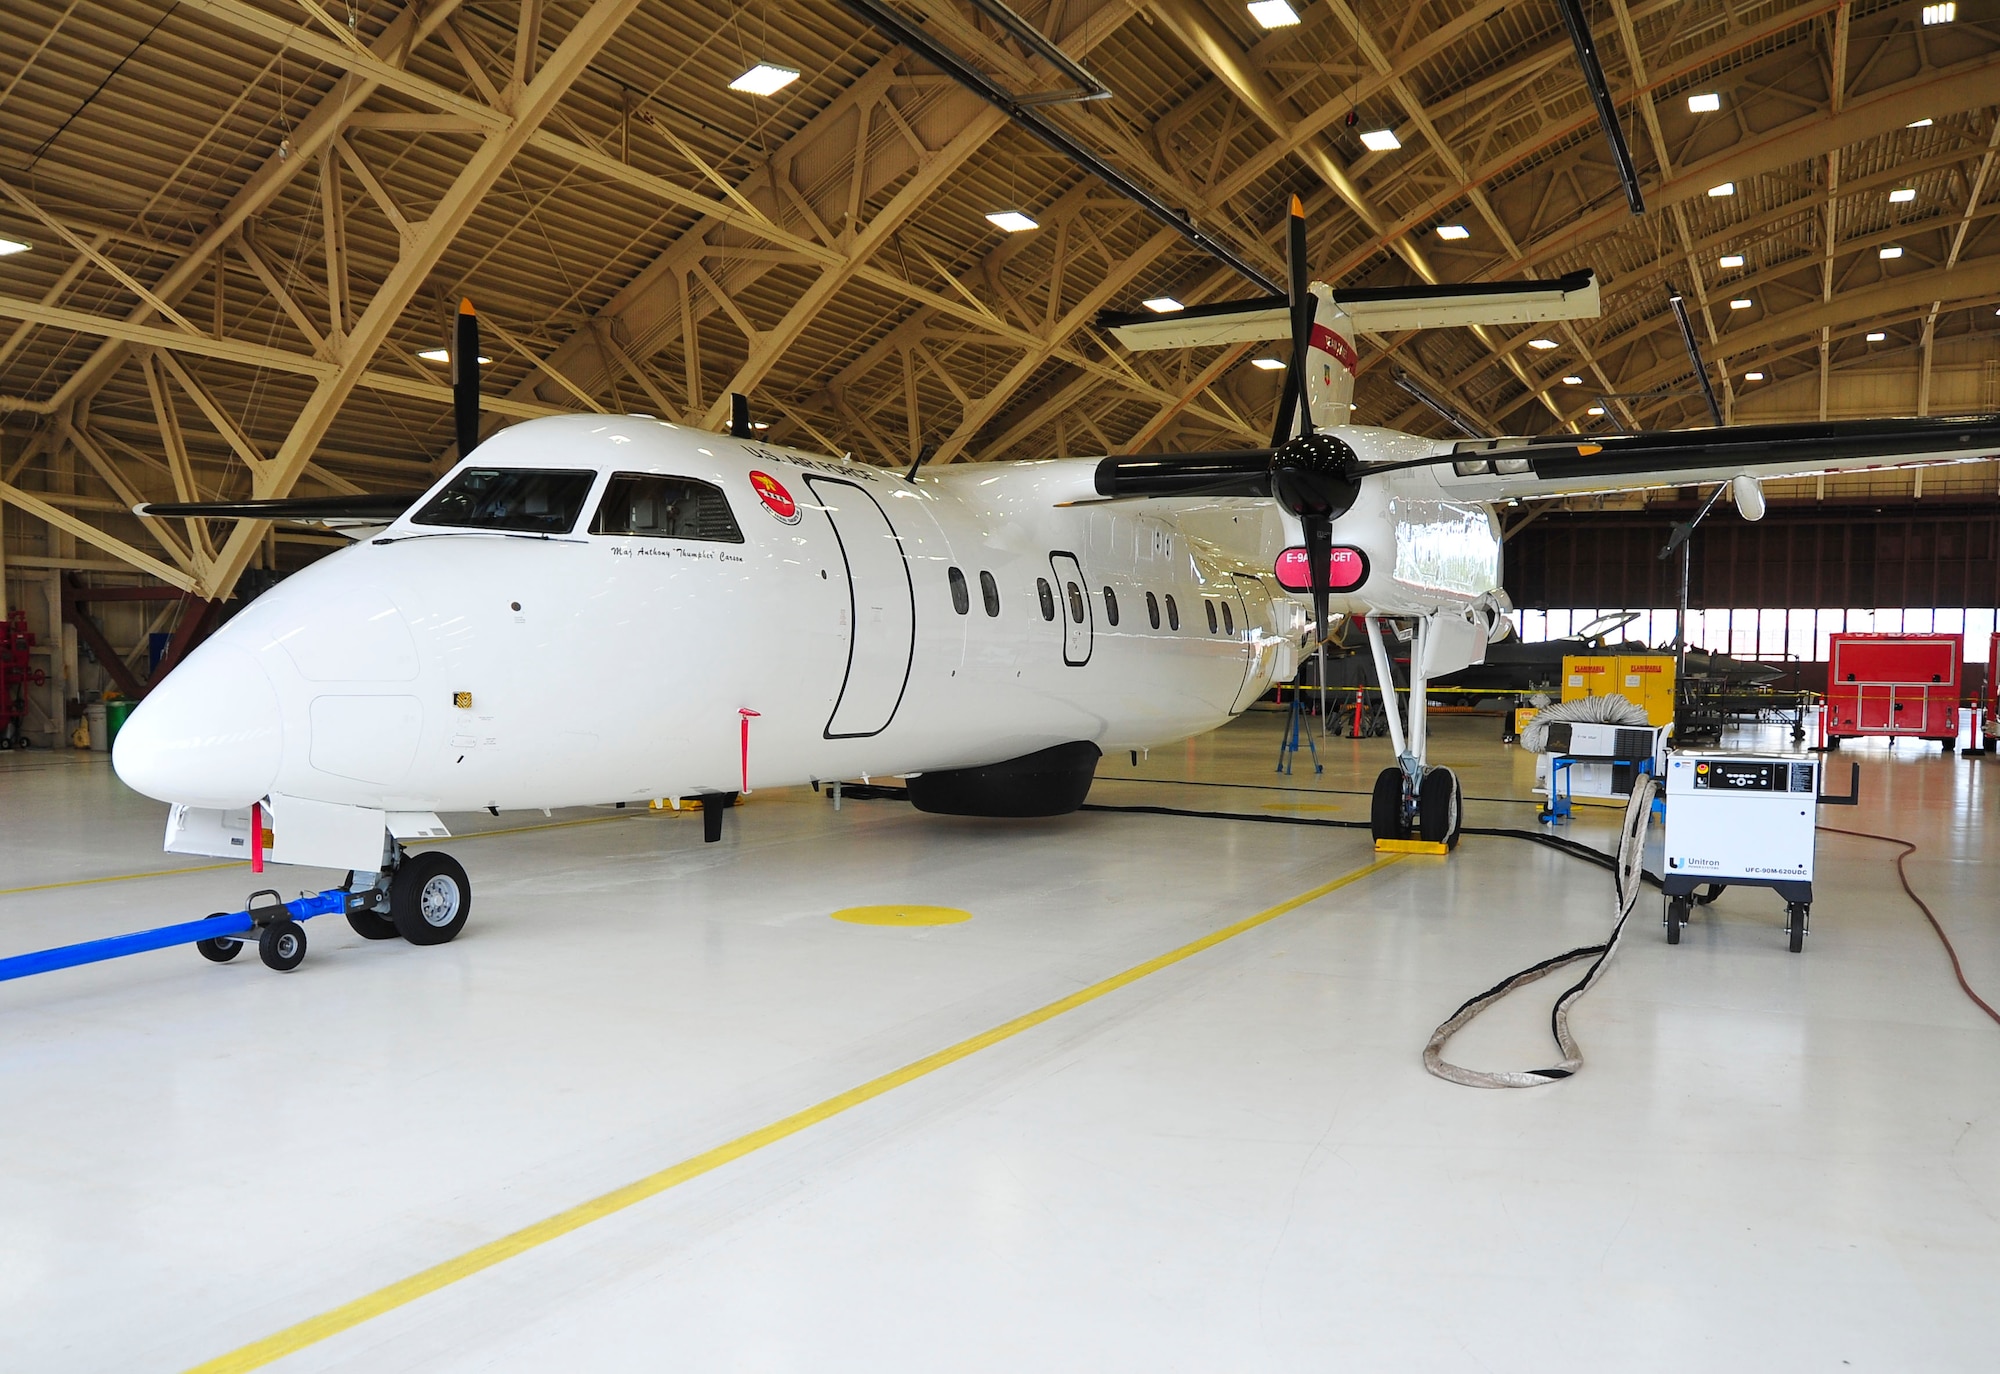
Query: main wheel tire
point(1438, 808)
point(1385, 809)
point(372, 925)
point(429, 898)
point(282, 945)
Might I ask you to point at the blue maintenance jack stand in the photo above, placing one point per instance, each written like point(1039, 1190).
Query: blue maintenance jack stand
point(274, 926)
point(1290, 744)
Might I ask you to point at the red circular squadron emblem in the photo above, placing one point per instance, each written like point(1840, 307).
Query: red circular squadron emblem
point(776, 499)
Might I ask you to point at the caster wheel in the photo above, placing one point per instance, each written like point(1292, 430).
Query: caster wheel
point(1385, 809)
point(1438, 807)
point(1677, 917)
point(370, 925)
point(219, 950)
point(429, 898)
point(282, 945)
point(1795, 925)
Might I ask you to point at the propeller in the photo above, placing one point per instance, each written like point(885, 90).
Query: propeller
point(1315, 476)
point(465, 377)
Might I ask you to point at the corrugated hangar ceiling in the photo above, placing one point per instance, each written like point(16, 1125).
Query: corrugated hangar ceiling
point(248, 220)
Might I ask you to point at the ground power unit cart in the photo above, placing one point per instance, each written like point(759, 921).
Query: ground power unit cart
point(1742, 820)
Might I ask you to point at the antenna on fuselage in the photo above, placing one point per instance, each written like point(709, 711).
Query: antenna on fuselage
point(465, 377)
point(923, 456)
point(739, 416)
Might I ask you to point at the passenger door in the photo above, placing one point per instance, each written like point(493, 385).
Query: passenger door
point(882, 610)
point(1073, 608)
point(1253, 602)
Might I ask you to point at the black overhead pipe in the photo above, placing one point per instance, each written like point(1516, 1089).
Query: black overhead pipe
point(1088, 87)
point(1679, 304)
point(1019, 109)
point(1600, 96)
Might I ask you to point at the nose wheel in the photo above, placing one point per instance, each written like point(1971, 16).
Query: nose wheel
point(429, 898)
point(1436, 812)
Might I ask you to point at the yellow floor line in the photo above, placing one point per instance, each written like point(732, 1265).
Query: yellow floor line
point(245, 864)
point(315, 1329)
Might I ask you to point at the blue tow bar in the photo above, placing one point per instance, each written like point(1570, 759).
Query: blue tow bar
point(227, 926)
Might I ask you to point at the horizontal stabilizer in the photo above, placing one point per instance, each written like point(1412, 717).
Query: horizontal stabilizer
point(1373, 308)
point(361, 509)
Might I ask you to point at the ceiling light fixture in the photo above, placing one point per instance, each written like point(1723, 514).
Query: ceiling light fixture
point(1919, 124)
point(766, 78)
point(1877, 337)
point(1266, 364)
point(1273, 14)
point(1595, 410)
point(9, 247)
point(1381, 141)
point(1707, 103)
point(1753, 376)
point(1731, 260)
point(1543, 344)
point(1904, 196)
point(1013, 221)
point(1741, 303)
point(443, 355)
point(1892, 251)
point(1940, 14)
point(1453, 231)
point(1727, 188)
point(1572, 381)
point(1163, 305)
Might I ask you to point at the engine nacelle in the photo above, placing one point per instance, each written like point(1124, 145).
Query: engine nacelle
point(1494, 612)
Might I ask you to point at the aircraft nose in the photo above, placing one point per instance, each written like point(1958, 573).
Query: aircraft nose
point(211, 734)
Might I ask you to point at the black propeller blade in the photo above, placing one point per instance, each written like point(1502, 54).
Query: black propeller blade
point(465, 378)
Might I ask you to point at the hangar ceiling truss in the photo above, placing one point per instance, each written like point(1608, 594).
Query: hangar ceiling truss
point(249, 219)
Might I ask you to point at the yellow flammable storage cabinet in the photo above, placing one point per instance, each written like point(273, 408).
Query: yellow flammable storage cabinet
point(1645, 680)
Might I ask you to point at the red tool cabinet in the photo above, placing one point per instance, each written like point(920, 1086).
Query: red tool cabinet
point(1894, 685)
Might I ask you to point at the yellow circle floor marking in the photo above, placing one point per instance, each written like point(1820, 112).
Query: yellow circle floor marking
point(902, 915)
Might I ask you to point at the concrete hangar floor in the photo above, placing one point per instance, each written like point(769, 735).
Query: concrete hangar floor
point(1233, 1161)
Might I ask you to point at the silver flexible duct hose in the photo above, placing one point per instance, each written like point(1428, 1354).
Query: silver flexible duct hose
point(1626, 883)
point(1605, 710)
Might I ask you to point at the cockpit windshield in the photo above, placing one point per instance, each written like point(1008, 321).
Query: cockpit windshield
point(529, 500)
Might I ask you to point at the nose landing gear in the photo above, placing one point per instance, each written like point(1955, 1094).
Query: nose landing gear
point(1433, 811)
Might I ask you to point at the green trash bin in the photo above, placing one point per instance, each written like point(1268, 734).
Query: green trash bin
point(115, 713)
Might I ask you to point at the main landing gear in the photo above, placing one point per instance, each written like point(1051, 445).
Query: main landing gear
point(1411, 800)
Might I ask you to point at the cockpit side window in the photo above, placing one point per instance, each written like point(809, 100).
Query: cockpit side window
point(656, 507)
point(528, 500)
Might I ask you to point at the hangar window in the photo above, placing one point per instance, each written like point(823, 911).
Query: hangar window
point(989, 593)
point(1111, 605)
point(529, 500)
point(1228, 620)
point(1153, 609)
point(665, 508)
point(1210, 607)
point(1173, 613)
point(1048, 598)
point(961, 599)
point(1075, 601)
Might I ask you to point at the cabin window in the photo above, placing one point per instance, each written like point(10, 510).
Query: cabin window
point(1228, 620)
point(1048, 598)
point(989, 593)
point(1173, 613)
point(961, 599)
point(527, 500)
point(655, 507)
point(1153, 609)
point(1075, 601)
point(1111, 605)
point(1209, 606)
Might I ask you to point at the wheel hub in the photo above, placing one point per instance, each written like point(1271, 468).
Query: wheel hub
point(438, 902)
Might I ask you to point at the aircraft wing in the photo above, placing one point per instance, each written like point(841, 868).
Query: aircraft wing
point(1562, 465)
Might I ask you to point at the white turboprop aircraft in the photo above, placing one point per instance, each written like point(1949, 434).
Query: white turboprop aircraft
point(593, 609)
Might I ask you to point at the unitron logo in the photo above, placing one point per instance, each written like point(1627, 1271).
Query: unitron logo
point(1347, 568)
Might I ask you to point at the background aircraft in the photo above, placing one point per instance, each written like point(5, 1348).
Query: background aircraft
point(593, 609)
